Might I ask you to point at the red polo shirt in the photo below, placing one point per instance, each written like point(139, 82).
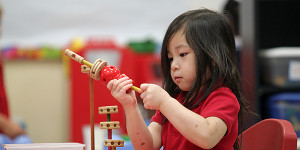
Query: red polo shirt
point(221, 103)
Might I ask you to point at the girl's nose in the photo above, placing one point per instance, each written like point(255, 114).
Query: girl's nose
point(174, 65)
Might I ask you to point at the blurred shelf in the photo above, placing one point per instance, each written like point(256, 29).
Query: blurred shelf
point(268, 89)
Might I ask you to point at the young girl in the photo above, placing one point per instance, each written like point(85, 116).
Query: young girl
point(199, 104)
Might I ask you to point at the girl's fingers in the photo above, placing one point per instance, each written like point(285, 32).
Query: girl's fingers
point(110, 84)
point(147, 106)
point(118, 81)
point(143, 87)
point(122, 79)
point(118, 85)
point(114, 82)
point(125, 85)
point(143, 95)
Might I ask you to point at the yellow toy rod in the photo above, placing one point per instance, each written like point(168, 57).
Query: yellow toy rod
point(77, 58)
point(81, 60)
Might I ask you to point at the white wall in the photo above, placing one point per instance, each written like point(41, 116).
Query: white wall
point(37, 90)
point(57, 21)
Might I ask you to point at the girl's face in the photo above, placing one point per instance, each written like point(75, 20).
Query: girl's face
point(182, 60)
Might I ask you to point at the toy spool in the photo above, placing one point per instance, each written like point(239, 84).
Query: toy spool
point(109, 125)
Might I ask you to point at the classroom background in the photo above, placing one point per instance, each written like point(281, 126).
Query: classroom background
point(48, 94)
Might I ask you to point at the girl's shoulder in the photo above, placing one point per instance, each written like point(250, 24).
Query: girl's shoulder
point(223, 89)
point(222, 92)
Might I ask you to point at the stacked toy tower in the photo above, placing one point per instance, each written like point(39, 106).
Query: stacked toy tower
point(109, 125)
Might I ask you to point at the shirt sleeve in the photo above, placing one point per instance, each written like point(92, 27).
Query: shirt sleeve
point(158, 117)
point(223, 104)
point(4, 109)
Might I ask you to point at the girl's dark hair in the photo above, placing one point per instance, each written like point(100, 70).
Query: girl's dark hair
point(211, 37)
point(231, 9)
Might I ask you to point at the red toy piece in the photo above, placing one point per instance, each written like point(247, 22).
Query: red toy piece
point(109, 73)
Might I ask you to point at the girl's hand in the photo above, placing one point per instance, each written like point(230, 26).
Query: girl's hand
point(13, 130)
point(153, 96)
point(118, 91)
point(9, 127)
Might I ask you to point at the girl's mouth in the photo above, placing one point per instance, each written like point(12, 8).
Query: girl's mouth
point(178, 79)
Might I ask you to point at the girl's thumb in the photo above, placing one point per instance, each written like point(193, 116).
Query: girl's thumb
point(143, 87)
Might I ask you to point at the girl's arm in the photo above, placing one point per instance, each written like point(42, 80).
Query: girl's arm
point(156, 130)
point(203, 132)
point(140, 136)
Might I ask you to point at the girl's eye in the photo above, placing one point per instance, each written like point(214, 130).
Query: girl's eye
point(183, 54)
point(170, 59)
